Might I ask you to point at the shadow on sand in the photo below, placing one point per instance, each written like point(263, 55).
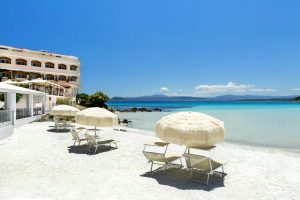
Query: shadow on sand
point(84, 149)
point(178, 177)
point(65, 130)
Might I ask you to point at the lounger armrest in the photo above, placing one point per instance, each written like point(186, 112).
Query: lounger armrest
point(173, 155)
point(103, 142)
point(160, 144)
point(220, 162)
point(204, 148)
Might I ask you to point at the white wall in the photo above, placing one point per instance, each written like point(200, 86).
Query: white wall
point(6, 131)
point(23, 121)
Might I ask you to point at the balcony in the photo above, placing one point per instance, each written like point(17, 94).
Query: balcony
point(22, 113)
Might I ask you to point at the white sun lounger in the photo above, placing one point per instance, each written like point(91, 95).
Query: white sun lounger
point(76, 137)
point(93, 141)
point(203, 164)
point(160, 158)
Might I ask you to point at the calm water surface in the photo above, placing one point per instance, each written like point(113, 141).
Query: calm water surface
point(273, 124)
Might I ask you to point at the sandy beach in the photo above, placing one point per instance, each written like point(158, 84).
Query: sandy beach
point(37, 163)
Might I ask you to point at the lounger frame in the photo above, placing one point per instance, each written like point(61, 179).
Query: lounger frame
point(200, 159)
point(163, 161)
point(93, 141)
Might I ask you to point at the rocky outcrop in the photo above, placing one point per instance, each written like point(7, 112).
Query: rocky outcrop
point(125, 122)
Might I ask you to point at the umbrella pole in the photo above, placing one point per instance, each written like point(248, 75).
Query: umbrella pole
point(95, 131)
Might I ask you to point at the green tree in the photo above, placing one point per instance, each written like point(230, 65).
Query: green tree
point(297, 99)
point(98, 99)
point(82, 99)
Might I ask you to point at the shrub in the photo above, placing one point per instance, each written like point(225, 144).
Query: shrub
point(18, 97)
point(97, 99)
point(64, 101)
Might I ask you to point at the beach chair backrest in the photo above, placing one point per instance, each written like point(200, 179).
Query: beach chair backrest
point(75, 135)
point(152, 156)
point(80, 130)
point(91, 140)
point(198, 162)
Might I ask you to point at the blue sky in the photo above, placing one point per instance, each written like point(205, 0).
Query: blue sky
point(175, 47)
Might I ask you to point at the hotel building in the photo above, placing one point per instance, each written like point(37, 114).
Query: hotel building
point(22, 64)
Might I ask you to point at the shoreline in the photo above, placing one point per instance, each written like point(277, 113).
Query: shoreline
point(229, 142)
point(295, 150)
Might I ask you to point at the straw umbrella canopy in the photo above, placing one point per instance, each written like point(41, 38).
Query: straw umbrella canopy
point(64, 110)
point(97, 117)
point(9, 81)
point(43, 82)
point(24, 82)
point(192, 129)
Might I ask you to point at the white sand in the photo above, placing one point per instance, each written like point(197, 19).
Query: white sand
point(36, 164)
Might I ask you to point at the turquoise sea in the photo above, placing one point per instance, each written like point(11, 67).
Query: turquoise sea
point(264, 123)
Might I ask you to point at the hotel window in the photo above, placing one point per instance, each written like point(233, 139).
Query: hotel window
point(61, 78)
point(5, 60)
point(35, 76)
point(36, 63)
point(73, 67)
point(49, 65)
point(73, 79)
point(62, 66)
point(5, 74)
point(49, 77)
point(21, 76)
point(21, 62)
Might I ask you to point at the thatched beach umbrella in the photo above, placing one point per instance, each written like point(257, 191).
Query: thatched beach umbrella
point(97, 117)
point(191, 129)
point(64, 110)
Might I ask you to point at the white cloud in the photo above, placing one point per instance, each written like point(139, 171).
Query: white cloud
point(262, 90)
point(164, 89)
point(296, 89)
point(229, 87)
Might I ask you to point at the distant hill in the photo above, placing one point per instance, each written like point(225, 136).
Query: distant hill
point(160, 97)
point(250, 97)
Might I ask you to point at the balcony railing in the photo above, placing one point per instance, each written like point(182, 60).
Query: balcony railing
point(22, 113)
point(5, 118)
